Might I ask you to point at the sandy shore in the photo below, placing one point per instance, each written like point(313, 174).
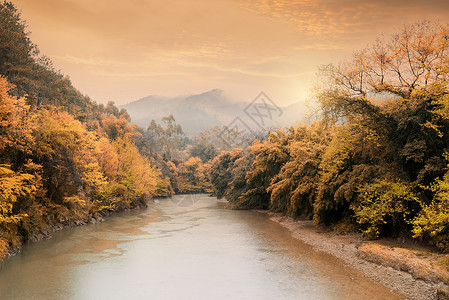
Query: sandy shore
point(407, 271)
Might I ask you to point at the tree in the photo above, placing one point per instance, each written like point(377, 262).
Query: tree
point(237, 186)
point(20, 178)
point(192, 177)
point(220, 171)
point(63, 158)
point(294, 189)
point(134, 181)
point(17, 52)
point(169, 137)
point(71, 173)
point(270, 156)
point(203, 149)
point(391, 99)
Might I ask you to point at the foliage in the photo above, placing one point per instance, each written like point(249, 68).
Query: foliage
point(53, 169)
point(385, 205)
point(220, 171)
point(375, 159)
point(348, 161)
point(168, 137)
point(65, 149)
point(203, 149)
point(133, 182)
point(64, 158)
point(294, 188)
point(390, 106)
point(237, 185)
point(433, 220)
point(15, 186)
point(270, 156)
point(192, 177)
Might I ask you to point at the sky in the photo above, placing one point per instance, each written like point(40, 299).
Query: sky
point(122, 51)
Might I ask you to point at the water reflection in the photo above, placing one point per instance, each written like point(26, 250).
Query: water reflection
point(168, 251)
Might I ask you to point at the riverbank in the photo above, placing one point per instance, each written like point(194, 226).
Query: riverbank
point(46, 234)
point(8, 251)
point(414, 272)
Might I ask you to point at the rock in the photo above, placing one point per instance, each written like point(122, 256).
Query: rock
point(419, 265)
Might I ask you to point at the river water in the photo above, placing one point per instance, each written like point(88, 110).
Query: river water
point(187, 247)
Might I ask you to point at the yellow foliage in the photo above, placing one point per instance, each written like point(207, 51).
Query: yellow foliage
point(15, 128)
point(385, 203)
point(14, 185)
point(130, 180)
point(433, 219)
point(192, 177)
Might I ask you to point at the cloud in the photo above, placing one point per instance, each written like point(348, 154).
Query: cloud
point(159, 46)
point(87, 61)
point(340, 20)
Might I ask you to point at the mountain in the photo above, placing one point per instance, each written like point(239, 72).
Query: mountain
point(213, 108)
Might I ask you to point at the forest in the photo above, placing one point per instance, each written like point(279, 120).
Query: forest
point(377, 159)
point(375, 162)
point(66, 160)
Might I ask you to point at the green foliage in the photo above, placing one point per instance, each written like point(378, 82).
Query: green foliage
point(203, 149)
point(432, 222)
point(349, 161)
point(17, 52)
point(385, 205)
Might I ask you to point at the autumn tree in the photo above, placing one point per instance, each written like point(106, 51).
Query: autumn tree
point(270, 156)
point(220, 171)
point(391, 98)
point(294, 189)
point(20, 178)
point(237, 185)
point(63, 158)
point(132, 183)
point(192, 177)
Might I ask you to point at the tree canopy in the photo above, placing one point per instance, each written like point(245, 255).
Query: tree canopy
point(378, 160)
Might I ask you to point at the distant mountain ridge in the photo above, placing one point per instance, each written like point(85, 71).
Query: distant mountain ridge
point(206, 110)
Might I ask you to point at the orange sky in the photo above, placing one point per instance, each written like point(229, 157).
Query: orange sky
point(125, 50)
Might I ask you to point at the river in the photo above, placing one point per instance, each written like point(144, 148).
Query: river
point(187, 247)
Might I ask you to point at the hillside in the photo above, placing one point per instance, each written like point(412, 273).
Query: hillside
point(207, 110)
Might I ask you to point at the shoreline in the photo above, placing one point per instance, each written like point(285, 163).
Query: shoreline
point(409, 272)
point(52, 228)
point(404, 269)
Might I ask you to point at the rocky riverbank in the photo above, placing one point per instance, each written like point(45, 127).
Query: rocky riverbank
point(47, 234)
point(412, 271)
point(6, 251)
